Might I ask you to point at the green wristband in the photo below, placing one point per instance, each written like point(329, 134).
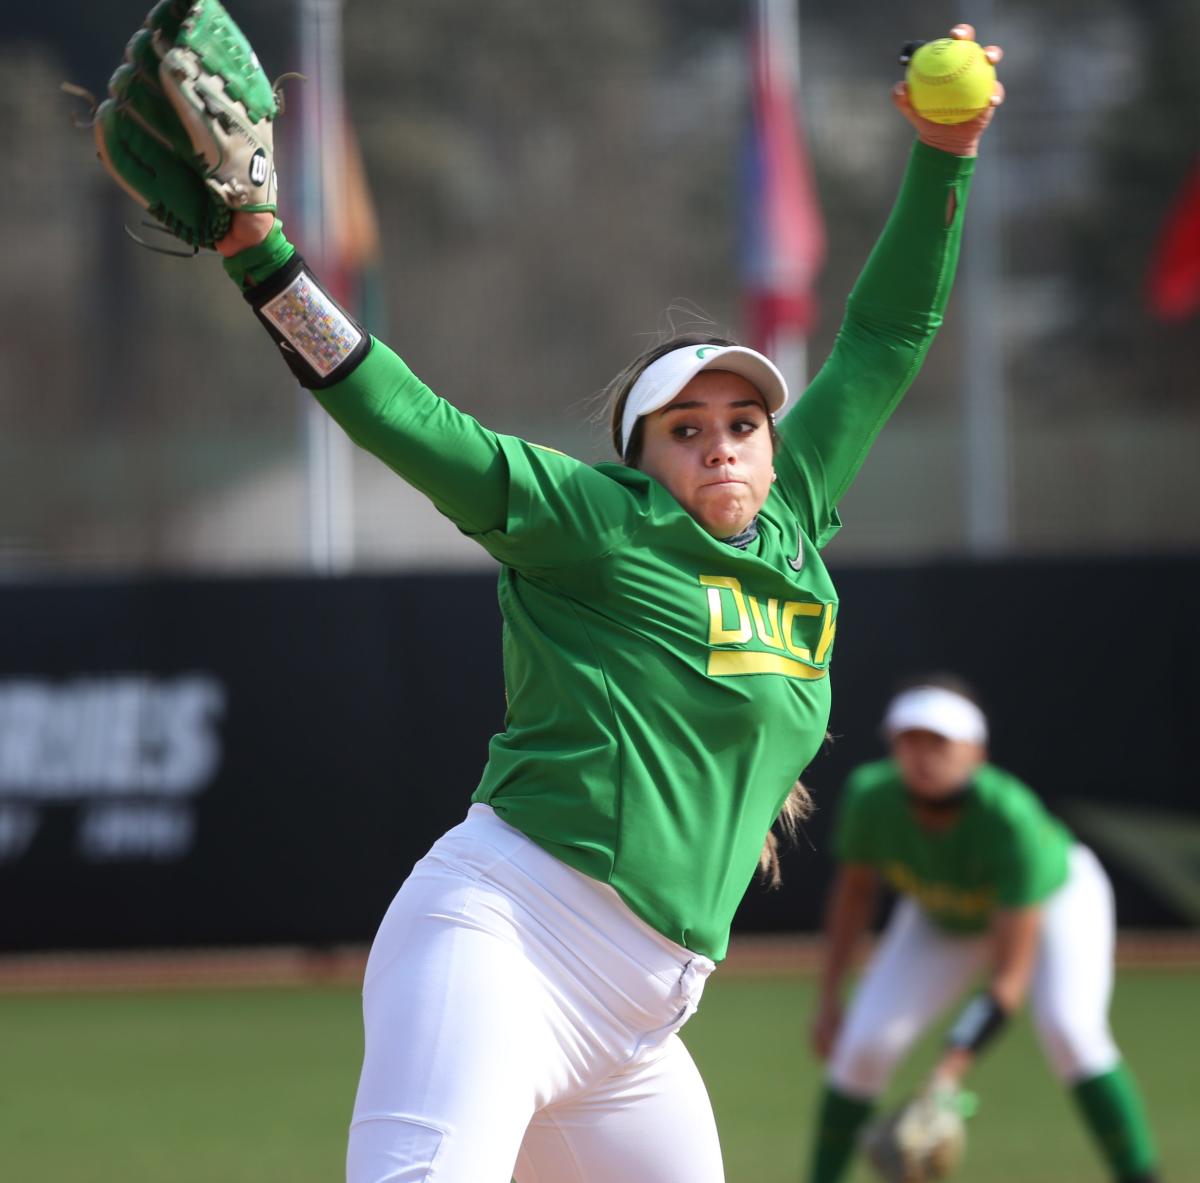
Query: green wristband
point(261, 261)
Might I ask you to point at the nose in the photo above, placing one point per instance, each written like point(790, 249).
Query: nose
point(721, 450)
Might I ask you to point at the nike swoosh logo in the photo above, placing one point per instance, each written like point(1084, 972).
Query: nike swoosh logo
point(797, 564)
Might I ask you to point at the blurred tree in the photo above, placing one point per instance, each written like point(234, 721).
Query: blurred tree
point(1112, 349)
point(550, 179)
point(517, 138)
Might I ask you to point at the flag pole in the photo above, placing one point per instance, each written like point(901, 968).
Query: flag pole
point(780, 22)
point(986, 469)
point(782, 235)
point(328, 458)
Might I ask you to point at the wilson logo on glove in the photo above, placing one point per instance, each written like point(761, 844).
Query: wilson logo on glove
point(258, 167)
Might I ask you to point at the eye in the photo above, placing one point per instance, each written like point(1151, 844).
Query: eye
point(746, 426)
point(684, 431)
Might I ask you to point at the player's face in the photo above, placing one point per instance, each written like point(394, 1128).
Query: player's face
point(932, 765)
point(711, 447)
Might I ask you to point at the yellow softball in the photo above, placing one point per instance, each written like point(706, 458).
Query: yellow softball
point(950, 81)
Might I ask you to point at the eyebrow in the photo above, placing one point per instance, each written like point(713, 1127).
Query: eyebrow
point(691, 406)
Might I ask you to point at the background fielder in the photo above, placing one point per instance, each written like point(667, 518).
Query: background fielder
point(988, 881)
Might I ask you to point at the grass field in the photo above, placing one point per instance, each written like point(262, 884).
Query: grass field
point(256, 1085)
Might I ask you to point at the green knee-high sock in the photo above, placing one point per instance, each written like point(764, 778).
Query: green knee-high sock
point(1112, 1107)
point(838, 1122)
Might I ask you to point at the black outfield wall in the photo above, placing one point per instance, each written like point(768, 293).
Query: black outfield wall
point(242, 761)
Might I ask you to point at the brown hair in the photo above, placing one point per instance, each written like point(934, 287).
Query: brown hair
point(797, 806)
point(616, 393)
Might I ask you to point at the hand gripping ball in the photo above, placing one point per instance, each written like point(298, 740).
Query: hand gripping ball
point(950, 81)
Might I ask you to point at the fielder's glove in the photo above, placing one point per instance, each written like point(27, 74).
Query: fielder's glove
point(924, 1139)
point(186, 129)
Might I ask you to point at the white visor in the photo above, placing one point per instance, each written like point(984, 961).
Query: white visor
point(931, 708)
point(663, 379)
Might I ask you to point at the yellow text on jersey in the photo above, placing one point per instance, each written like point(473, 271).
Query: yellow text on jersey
point(735, 617)
point(941, 897)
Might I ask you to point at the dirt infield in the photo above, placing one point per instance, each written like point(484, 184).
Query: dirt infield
point(192, 969)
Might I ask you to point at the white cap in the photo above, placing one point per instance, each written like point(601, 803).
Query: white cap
point(933, 708)
point(664, 378)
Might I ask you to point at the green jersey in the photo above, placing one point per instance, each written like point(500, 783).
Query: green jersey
point(1003, 851)
point(665, 689)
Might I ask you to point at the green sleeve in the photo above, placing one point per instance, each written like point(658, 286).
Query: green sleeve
point(260, 262)
point(455, 461)
point(891, 318)
point(526, 505)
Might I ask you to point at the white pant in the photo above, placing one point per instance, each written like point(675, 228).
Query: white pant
point(919, 969)
point(520, 1018)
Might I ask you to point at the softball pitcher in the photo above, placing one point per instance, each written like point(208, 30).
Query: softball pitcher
point(989, 883)
point(668, 626)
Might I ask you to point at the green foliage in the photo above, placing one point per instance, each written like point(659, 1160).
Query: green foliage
point(550, 178)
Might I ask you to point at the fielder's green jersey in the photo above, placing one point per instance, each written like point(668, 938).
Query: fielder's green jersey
point(665, 689)
point(1002, 851)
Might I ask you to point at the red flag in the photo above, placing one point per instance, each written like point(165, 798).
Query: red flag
point(783, 235)
point(1173, 282)
point(354, 234)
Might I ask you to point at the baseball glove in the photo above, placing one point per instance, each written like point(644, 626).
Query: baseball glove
point(186, 129)
point(924, 1139)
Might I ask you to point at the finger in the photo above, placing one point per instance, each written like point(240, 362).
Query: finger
point(980, 123)
point(900, 97)
point(993, 53)
point(997, 94)
point(963, 32)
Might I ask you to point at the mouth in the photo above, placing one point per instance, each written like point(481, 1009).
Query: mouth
point(727, 483)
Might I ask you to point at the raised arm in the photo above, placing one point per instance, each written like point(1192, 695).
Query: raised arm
point(892, 316)
point(187, 131)
point(381, 404)
point(529, 506)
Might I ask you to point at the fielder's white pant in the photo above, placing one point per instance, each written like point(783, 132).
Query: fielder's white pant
point(919, 969)
point(521, 1019)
